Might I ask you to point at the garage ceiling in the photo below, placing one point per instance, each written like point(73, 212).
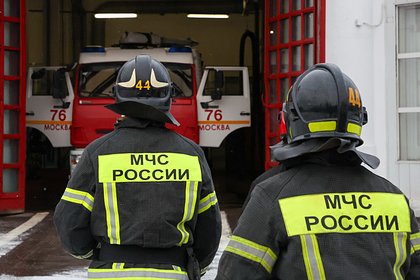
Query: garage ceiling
point(167, 6)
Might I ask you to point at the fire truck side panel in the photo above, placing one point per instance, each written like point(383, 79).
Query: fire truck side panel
point(52, 117)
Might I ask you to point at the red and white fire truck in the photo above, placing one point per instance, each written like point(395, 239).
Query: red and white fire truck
point(209, 103)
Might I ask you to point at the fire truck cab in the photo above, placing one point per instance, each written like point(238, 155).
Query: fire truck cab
point(209, 103)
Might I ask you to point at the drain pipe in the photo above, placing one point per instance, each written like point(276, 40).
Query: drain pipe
point(78, 27)
point(257, 116)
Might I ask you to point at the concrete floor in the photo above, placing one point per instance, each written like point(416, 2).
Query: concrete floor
point(35, 252)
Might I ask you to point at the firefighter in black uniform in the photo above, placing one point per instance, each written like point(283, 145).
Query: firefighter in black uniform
point(324, 216)
point(141, 202)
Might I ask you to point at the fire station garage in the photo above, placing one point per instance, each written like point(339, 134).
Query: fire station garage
point(78, 36)
point(232, 64)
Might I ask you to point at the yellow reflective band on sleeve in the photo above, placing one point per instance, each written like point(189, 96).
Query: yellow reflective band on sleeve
point(345, 213)
point(111, 213)
point(312, 257)
point(189, 207)
point(136, 273)
point(415, 242)
point(252, 251)
point(322, 126)
point(207, 202)
point(148, 167)
point(354, 128)
point(400, 241)
point(79, 197)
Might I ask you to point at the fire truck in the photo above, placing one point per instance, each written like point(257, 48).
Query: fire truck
point(68, 110)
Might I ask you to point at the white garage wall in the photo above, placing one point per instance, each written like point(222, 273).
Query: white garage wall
point(361, 38)
point(355, 42)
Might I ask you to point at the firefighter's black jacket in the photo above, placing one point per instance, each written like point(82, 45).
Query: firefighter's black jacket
point(324, 217)
point(141, 185)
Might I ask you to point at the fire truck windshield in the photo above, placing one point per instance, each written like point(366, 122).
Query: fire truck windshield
point(97, 79)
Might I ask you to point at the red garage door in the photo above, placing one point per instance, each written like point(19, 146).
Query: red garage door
point(12, 106)
point(294, 39)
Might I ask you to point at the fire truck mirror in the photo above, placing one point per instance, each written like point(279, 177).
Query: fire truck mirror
point(38, 74)
point(59, 90)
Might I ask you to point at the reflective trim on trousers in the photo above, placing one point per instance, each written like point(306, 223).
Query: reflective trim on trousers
point(138, 273)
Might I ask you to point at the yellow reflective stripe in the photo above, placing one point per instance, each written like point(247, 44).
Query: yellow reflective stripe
point(318, 258)
point(354, 128)
point(81, 193)
point(148, 167)
point(414, 249)
point(207, 202)
point(305, 255)
point(312, 257)
point(79, 197)
point(77, 201)
point(136, 273)
point(400, 240)
point(345, 213)
point(254, 245)
point(111, 211)
point(116, 214)
point(108, 214)
point(180, 226)
point(252, 251)
point(189, 206)
point(322, 126)
point(415, 242)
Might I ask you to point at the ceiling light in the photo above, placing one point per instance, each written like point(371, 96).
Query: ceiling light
point(207, 16)
point(116, 15)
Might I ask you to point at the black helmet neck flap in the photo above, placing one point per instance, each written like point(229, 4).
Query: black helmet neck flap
point(143, 90)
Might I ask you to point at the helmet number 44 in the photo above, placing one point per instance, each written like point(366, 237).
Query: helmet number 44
point(140, 85)
point(354, 97)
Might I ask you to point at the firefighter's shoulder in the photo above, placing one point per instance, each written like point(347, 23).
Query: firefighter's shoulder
point(277, 183)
